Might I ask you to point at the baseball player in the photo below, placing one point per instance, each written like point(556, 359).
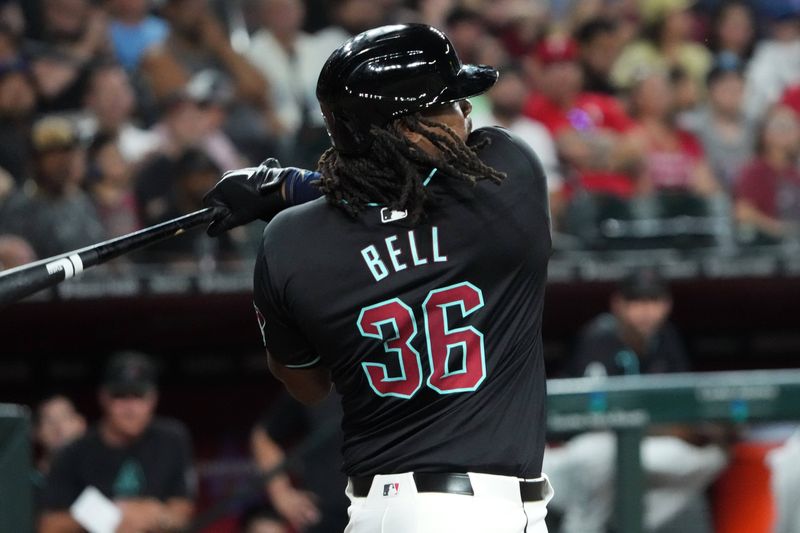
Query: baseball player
point(415, 286)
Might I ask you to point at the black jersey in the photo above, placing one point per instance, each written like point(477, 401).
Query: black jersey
point(432, 332)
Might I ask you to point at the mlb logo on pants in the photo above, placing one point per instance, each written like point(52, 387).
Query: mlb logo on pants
point(390, 489)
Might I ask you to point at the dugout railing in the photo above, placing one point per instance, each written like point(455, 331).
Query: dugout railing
point(16, 483)
point(627, 405)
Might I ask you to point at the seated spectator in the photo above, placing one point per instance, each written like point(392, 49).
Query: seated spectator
point(599, 45)
point(75, 35)
point(635, 338)
point(54, 214)
point(319, 505)
point(140, 462)
point(134, 31)
point(507, 101)
point(198, 42)
point(110, 184)
point(768, 189)
point(291, 60)
point(111, 102)
point(586, 126)
point(672, 159)
point(192, 119)
point(18, 100)
point(262, 520)
point(775, 64)
point(191, 177)
point(665, 44)
point(733, 30)
point(726, 133)
point(57, 424)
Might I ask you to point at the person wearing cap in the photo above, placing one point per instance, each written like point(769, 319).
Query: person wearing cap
point(634, 338)
point(726, 133)
point(141, 462)
point(52, 212)
point(665, 43)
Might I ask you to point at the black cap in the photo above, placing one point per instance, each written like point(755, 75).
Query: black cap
point(643, 284)
point(129, 373)
point(388, 72)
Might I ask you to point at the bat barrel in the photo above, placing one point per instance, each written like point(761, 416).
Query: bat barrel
point(25, 280)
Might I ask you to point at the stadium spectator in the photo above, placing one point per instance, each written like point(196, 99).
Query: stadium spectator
point(320, 506)
point(775, 64)
point(134, 31)
point(507, 101)
point(465, 29)
point(141, 462)
point(599, 44)
point(665, 44)
point(733, 30)
point(635, 338)
point(198, 42)
point(768, 189)
point(348, 18)
point(75, 35)
point(672, 159)
point(726, 133)
point(111, 102)
point(57, 424)
point(291, 60)
point(586, 126)
point(191, 177)
point(192, 119)
point(53, 213)
point(110, 183)
point(18, 101)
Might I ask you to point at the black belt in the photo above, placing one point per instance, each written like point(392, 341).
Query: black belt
point(530, 491)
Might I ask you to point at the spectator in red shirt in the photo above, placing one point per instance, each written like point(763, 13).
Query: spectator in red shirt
point(586, 126)
point(672, 160)
point(768, 189)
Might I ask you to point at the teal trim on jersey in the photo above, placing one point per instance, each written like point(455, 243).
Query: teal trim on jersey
point(424, 184)
point(379, 336)
point(465, 312)
point(304, 365)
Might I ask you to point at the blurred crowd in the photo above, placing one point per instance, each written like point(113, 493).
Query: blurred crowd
point(659, 122)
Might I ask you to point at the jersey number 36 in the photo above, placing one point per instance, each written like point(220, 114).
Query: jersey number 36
point(455, 355)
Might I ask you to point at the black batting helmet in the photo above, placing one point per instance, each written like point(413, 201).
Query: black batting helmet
point(391, 71)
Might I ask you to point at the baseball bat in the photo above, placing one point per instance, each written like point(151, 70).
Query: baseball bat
point(22, 281)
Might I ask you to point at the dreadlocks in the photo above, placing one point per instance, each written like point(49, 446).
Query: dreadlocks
point(392, 173)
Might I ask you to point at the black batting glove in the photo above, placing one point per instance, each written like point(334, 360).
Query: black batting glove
point(246, 194)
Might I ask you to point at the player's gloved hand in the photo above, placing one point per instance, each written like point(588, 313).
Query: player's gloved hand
point(247, 194)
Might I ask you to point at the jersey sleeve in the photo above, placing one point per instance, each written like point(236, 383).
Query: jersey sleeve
point(280, 333)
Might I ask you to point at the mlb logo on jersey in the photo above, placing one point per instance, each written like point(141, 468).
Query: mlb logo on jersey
point(389, 215)
point(390, 489)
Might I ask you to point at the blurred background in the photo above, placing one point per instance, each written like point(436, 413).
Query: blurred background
point(669, 131)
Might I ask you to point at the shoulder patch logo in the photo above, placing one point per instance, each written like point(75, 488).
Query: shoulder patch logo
point(391, 489)
point(389, 215)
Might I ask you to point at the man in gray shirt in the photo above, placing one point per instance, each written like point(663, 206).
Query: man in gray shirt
point(52, 212)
